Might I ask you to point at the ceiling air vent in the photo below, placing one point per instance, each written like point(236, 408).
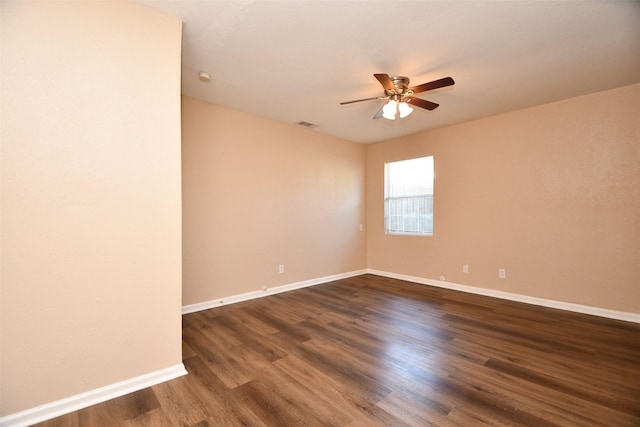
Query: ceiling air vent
point(307, 125)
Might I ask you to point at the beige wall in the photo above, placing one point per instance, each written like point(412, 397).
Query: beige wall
point(551, 194)
point(258, 193)
point(90, 232)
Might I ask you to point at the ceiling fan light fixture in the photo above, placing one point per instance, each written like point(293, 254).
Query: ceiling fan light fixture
point(389, 110)
point(399, 95)
point(404, 109)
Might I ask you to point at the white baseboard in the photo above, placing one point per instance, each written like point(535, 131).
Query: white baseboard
point(192, 308)
point(92, 397)
point(568, 306)
point(102, 394)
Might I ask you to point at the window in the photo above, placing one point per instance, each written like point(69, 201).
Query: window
point(408, 196)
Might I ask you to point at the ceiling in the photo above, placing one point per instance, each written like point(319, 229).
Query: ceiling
point(295, 61)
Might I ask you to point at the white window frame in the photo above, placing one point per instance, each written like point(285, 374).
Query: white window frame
point(408, 205)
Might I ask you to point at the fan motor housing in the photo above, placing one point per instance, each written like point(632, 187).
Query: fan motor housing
point(401, 83)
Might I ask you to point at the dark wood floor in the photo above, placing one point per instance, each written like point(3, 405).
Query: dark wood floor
point(372, 351)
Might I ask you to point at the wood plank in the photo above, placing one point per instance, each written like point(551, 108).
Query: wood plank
point(370, 350)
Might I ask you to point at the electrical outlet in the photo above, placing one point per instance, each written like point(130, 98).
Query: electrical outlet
point(281, 269)
point(502, 273)
point(361, 227)
point(465, 268)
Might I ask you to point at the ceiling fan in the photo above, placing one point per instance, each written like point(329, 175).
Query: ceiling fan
point(399, 95)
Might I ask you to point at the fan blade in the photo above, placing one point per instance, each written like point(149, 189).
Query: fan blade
point(385, 81)
point(360, 100)
point(379, 113)
point(422, 103)
point(436, 84)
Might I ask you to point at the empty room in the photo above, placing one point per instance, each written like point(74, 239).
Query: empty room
point(320, 213)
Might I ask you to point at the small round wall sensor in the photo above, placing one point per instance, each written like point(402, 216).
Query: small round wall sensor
point(204, 77)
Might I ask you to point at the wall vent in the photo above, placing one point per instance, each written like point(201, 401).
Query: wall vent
point(307, 125)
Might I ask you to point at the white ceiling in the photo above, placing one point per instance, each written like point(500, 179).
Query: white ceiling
point(296, 61)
